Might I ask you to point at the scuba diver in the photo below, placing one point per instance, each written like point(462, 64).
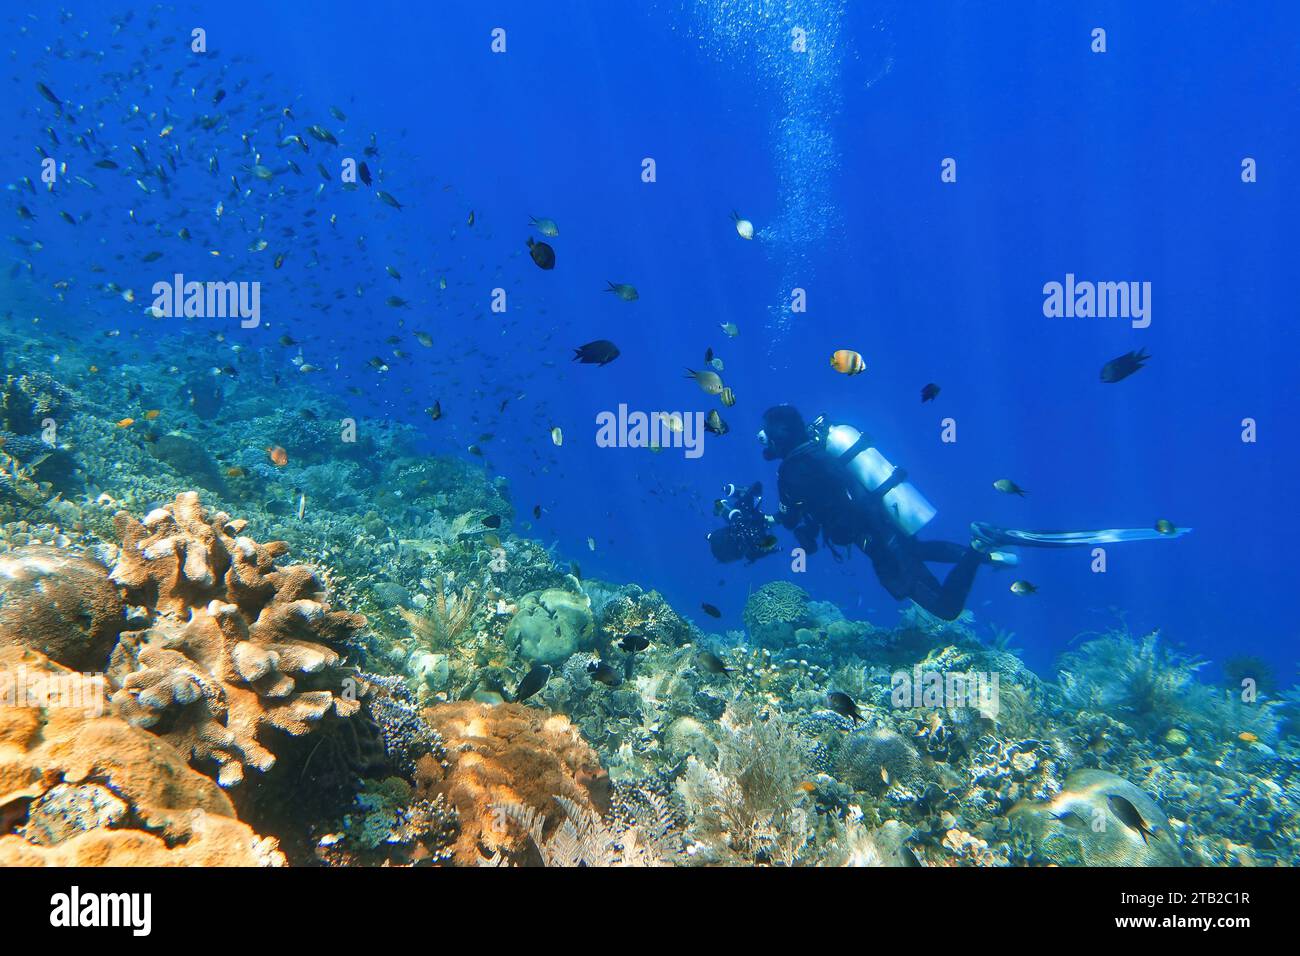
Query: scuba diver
point(836, 487)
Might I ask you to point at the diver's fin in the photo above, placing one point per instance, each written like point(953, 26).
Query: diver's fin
point(1066, 539)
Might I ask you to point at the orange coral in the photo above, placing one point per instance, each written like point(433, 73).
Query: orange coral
point(238, 645)
point(508, 754)
point(53, 734)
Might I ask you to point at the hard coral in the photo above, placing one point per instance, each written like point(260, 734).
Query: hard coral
point(59, 603)
point(237, 647)
point(99, 791)
point(508, 755)
point(775, 611)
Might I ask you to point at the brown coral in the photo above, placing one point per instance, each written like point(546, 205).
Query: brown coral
point(52, 734)
point(509, 755)
point(238, 646)
point(59, 603)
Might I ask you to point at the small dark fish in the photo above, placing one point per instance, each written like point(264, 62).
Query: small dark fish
point(106, 164)
point(46, 92)
point(1023, 588)
point(1116, 370)
point(542, 254)
point(364, 172)
point(537, 511)
point(1009, 487)
point(386, 197)
point(1129, 815)
point(533, 681)
point(492, 521)
point(603, 672)
point(929, 393)
point(434, 411)
point(151, 256)
point(711, 663)
point(843, 705)
point(710, 610)
point(634, 643)
point(218, 96)
point(600, 352)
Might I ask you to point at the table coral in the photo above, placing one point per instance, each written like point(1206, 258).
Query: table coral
point(237, 646)
point(508, 755)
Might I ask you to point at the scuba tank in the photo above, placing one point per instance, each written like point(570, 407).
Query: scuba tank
point(907, 507)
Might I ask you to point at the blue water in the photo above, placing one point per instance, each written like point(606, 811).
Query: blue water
point(1116, 166)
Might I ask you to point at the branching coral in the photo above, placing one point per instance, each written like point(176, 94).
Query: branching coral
point(237, 646)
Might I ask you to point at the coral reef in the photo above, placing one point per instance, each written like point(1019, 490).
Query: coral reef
point(100, 791)
point(509, 755)
point(551, 625)
point(237, 646)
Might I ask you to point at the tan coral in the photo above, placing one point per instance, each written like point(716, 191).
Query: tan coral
point(53, 731)
point(238, 646)
point(508, 754)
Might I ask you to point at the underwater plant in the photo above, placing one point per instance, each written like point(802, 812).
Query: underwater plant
point(585, 839)
point(746, 806)
point(439, 627)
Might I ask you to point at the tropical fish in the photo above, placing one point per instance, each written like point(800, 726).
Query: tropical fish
point(542, 254)
point(1129, 815)
point(713, 423)
point(634, 643)
point(843, 705)
point(1023, 587)
point(711, 663)
point(125, 422)
point(604, 673)
point(599, 352)
point(546, 227)
point(672, 421)
point(710, 382)
point(728, 397)
point(387, 198)
point(279, 457)
point(624, 291)
point(1165, 526)
point(710, 610)
point(492, 521)
point(1009, 487)
point(729, 328)
point(847, 362)
point(929, 393)
point(743, 226)
point(533, 681)
point(557, 436)
point(1116, 370)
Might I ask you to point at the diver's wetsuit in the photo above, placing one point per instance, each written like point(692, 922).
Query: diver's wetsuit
point(819, 497)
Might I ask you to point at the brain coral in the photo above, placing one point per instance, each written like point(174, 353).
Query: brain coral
point(236, 646)
point(1099, 819)
point(504, 755)
point(775, 611)
point(79, 787)
point(59, 603)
